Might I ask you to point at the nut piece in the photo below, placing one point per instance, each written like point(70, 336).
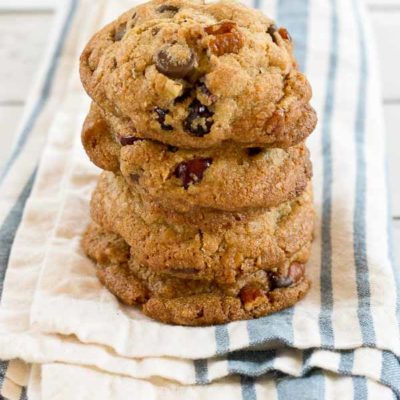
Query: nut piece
point(285, 34)
point(227, 38)
point(175, 61)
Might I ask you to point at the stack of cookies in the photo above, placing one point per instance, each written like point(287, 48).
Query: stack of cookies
point(204, 212)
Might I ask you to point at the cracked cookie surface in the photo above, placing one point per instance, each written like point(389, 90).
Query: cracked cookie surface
point(227, 178)
point(195, 75)
point(269, 240)
point(184, 301)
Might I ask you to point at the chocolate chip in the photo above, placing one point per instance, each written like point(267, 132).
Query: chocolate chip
point(285, 34)
point(253, 151)
point(119, 32)
point(271, 31)
point(295, 273)
point(199, 121)
point(206, 91)
point(186, 93)
point(161, 114)
point(192, 171)
point(281, 281)
point(135, 178)
point(167, 8)
point(175, 61)
point(172, 149)
point(128, 140)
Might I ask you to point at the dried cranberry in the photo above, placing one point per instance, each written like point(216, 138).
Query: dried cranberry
point(161, 114)
point(199, 121)
point(192, 171)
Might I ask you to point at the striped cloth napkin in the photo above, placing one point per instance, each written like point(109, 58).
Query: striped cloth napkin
point(76, 341)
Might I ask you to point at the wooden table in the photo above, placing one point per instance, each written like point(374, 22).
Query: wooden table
point(21, 53)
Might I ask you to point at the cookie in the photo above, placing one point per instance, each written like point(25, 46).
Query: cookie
point(227, 178)
point(267, 241)
point(185, 301)
point(196, 75)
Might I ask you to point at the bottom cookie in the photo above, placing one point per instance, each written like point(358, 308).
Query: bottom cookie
point(191, 302)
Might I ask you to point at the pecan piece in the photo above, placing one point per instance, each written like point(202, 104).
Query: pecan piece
point(226, 38)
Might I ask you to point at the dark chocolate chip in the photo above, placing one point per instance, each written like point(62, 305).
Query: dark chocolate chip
point(119, 32)
point(186, 93)
point(192, 171)
point(206, 91)
point(253, 151)
point(199, 121)
point(172, 67)
point(167, 8)
point(271, 31)
point(161, 114)
point(128, 140)
point(295, 273)
point(172, 149)
point(281, 281)
point(135, 178)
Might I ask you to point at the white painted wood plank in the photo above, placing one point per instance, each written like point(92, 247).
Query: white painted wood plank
point(20, 52)
point(387, 31)
point(9, 120)
point(396, 239)
point(382, 3)
point(392, 119)
point(24, 5)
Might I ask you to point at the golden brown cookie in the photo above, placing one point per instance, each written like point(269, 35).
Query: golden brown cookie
point(228, 177)
point(196, 75)
point(186, 301)
point(267, 241)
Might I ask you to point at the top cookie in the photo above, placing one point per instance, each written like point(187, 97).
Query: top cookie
point(194, 75)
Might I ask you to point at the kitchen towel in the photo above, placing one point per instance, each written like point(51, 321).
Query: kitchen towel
point(343, 339)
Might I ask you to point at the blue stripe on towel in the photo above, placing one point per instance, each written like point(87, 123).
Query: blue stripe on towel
point(9, 228)
point(248, 388)
point(305, 388)
point(251, 363)
point(325, 318)
point(359, 222)
point(360, 388)
point(346, 362)
point(390, 371)
point(293, 14)
point(44, 94)
point(201, 371)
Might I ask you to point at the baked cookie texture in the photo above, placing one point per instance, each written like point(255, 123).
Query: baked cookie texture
point(268, 241)
point(227, 177)
point(185, 301)
point(197, 75)
point(204, 211)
